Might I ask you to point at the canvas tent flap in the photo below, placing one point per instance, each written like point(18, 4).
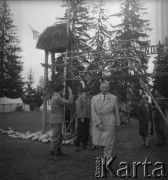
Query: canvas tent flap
point(6, 100)
point(10, 105)
point(48, 106)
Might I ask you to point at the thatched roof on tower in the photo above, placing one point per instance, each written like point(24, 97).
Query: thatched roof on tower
point(54, 38)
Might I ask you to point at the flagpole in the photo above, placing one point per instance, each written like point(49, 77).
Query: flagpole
point(44, 117)
point(65, 63)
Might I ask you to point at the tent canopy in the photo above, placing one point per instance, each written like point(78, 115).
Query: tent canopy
point(48, 106)
point(6, 100)
point(10, 105)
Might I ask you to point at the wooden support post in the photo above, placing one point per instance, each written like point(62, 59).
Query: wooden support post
point(65, 63)
point(71, 122)
point(64, 91)
point(155, 102)
point(145, 87)
point(65, 73)
point(53, 66)
point(44, 117)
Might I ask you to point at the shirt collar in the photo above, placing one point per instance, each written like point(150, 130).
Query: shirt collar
point(102, 96)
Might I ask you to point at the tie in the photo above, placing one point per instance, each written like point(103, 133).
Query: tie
point(104, 97)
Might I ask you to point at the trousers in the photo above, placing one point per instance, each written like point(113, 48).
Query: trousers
point(57, 137)
point(82, 132)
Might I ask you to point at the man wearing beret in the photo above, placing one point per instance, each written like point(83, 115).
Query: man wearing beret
point(57, 119)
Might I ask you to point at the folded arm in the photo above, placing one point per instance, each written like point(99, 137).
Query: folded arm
point(95, 117)
point(117, 115)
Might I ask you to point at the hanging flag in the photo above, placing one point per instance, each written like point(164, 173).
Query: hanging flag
point(36, 34)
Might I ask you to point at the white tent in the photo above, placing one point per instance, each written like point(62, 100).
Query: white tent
point(48, 106)
point(10, 105)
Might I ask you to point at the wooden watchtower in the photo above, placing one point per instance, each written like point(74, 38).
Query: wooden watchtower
point(54, 39)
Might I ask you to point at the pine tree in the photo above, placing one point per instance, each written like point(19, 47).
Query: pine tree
point(79, 22)
point(29, 96)
point(29, 90)
point(100, 36)
point(160, 81)
point(40, 85)
point(78, 27)
point(11, 82)
point(39, 92)
point(130, 33)
point(99, 23)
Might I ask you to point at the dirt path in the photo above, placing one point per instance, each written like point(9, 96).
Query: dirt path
point(29, 160)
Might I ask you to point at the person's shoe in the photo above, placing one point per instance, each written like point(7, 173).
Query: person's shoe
point(52, 156)
point(59, 152)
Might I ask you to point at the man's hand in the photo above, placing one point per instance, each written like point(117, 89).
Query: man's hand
point(100, 127)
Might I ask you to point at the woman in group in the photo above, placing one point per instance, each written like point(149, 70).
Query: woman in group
point(145, 120)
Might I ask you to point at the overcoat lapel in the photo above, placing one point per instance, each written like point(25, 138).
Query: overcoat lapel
point(102, 103)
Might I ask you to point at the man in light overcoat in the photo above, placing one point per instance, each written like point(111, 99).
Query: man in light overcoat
point(105, 117)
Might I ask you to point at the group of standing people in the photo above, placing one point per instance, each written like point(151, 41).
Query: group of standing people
point(125, 109)
point(103, 112)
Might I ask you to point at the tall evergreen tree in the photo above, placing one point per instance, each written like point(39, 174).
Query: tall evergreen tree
point(100, 36)
point(160, 81)
point(29, 96)
point(29, 90)
point(99, 23)
point(39, 92)
point(79, 22)
point(78, 28)
point(40, 85)
point(11, 82)
point(130, 33)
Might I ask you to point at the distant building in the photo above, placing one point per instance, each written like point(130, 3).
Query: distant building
point(161, 14)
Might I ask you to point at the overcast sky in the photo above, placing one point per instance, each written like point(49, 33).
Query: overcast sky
point(41, 14)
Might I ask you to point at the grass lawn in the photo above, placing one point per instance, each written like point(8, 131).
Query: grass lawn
point(23, 121)
point(29, 160)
